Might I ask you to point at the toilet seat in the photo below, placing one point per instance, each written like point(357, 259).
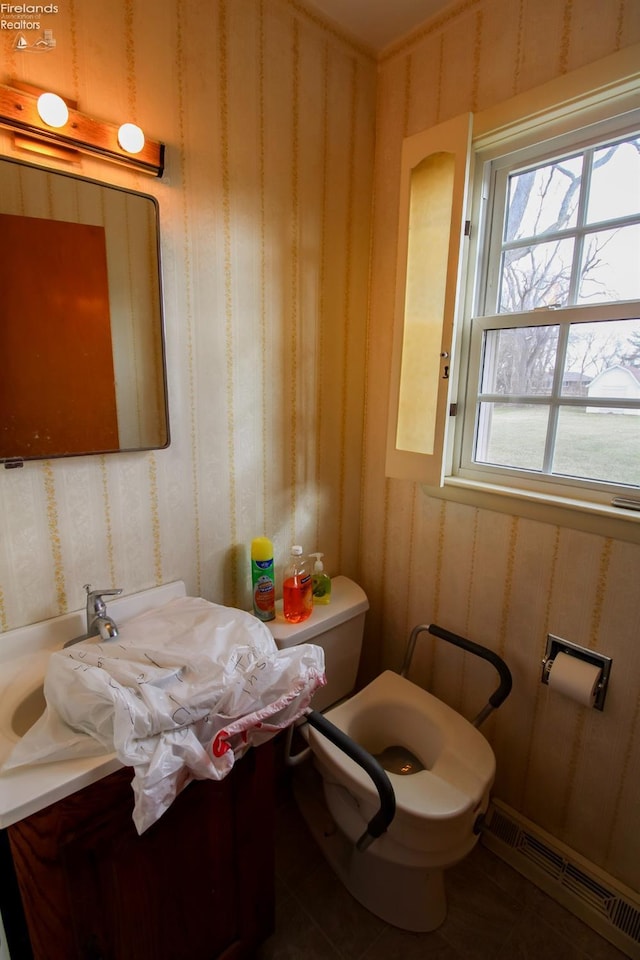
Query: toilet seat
point(436, 808)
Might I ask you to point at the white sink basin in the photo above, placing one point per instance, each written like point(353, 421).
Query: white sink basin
point(30, 709)
point(21, 695)
point(24, 654)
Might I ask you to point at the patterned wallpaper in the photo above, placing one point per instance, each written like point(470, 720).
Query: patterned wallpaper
point(278, 288)
point(268, 117)
point(502, 581)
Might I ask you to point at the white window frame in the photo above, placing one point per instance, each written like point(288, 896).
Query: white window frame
point(492, 189)
point(612, 90)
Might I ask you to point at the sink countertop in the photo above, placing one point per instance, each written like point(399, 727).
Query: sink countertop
point(24, 653)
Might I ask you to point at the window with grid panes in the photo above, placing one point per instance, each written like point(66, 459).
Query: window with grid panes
point(553, 375)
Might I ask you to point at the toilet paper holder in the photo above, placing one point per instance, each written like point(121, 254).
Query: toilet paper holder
point(557, 645)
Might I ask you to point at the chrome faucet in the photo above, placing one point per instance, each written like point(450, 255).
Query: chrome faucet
point(99, 624)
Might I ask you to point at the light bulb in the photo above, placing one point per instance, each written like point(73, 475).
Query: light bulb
point(131, 138)
point(52, 109)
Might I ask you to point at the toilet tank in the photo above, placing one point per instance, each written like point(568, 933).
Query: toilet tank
point(337, 627)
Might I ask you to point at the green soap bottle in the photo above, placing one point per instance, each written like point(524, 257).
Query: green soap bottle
point(321, 581)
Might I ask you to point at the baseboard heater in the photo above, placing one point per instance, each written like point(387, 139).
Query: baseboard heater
point(611, 909)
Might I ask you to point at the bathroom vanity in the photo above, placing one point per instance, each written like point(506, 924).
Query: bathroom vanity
point(197, 885)
point(79, 883)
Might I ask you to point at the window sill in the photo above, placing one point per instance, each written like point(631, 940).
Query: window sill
point(597, 518)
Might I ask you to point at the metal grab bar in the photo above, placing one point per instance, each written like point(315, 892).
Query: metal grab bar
point(498, 696)
point(381, 820)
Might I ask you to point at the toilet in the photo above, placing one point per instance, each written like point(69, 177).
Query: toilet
point(440, 766)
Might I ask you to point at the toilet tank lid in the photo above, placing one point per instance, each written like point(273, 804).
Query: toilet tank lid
point(347, 600)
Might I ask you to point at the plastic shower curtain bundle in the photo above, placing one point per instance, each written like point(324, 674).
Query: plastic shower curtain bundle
point(181, 694)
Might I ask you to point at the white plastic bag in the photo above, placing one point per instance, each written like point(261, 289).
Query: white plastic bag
point(181, 694)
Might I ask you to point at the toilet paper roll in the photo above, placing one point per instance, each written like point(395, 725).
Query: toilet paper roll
point(575, 678)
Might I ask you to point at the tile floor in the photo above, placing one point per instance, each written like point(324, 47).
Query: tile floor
point(493, 913)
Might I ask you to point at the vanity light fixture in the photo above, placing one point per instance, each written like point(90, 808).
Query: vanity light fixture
point(131, 138)
point(44, 122)
point(52, 110)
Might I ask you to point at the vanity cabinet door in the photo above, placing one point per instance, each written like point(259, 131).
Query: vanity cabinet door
point(197, 885)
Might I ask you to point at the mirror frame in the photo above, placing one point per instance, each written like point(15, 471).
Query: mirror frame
point(18, 460)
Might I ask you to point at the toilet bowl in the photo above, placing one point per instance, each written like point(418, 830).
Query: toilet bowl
point(440, 766)
point(441, 769)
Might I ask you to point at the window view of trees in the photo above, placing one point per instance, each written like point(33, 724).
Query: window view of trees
point(521, 361)
point(571, 238)
point(556, 251)
point(556, 254)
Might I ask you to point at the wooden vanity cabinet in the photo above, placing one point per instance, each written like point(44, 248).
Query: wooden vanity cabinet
point(197, 885)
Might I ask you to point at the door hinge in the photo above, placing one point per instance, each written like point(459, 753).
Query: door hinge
point(453, 409)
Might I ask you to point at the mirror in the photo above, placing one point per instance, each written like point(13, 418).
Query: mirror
point(81, 330)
